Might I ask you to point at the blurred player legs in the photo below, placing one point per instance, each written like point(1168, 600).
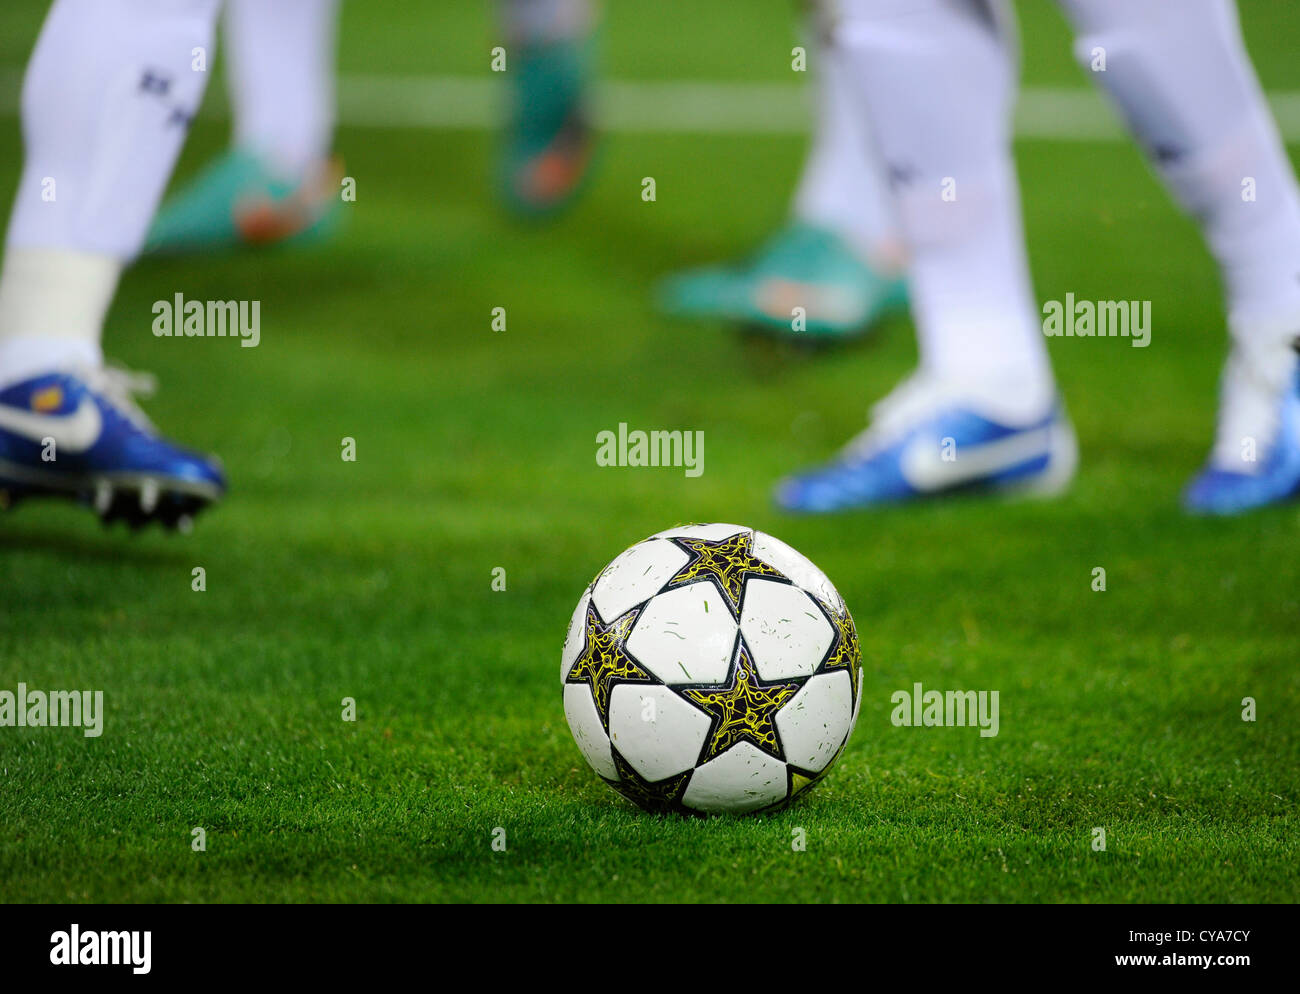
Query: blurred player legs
point(939, 106)
point(838, 257)
point(1181, 77)
point(549, 138)
point(278, 183)
point(938, 78)
point(107, 99)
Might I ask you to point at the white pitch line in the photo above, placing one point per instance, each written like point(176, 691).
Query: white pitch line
point(675, 107)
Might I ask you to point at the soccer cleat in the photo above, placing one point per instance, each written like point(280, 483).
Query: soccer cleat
point(926, 439)
point(550, 138)
point(81, 436)
point(1256, 456)
point(802, 266)
point(237, 200)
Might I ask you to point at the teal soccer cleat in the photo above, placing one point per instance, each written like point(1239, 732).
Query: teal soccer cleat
point(550, 138)
point(238, 201)
point(801, 267)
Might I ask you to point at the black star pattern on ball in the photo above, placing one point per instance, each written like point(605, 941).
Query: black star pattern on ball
point(728, 563)
point(845, 653)
point(656, 796)
point(743, 711)
point(603, 661)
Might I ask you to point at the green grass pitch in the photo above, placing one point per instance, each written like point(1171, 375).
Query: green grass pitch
point(372, 580)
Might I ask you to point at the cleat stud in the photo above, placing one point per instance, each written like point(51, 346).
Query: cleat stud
point(103, 498)
point(148, 496)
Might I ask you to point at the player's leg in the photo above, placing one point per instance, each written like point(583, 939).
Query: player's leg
point(282, 79)
point(838, 258)
point(277, 182)
point(1182, 79)
point(938, 78)
point(549, 137)
point(107, 100)
point(842, 187)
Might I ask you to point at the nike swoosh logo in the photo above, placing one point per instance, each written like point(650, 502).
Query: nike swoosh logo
point(75, 432)
point(923, 466)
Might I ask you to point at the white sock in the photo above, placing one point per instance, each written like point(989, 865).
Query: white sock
point(282, 69)
point(107, 98)
point(540, 21)
point(842, 187)
point(938, 79)
point(1182, 79)
point(52, 307)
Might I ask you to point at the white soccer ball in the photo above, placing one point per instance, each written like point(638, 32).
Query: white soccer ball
point(711, 668)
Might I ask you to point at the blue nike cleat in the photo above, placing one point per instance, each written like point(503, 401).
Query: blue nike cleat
point(926, 440)
point(802, 266)
point(1256, 457)
point(81, 436)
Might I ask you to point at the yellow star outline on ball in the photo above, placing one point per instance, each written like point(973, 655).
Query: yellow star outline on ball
point(604, 661)
point(728, 563)
point(744, 711)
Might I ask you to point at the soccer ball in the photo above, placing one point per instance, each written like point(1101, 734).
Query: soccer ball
point(711, 669)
